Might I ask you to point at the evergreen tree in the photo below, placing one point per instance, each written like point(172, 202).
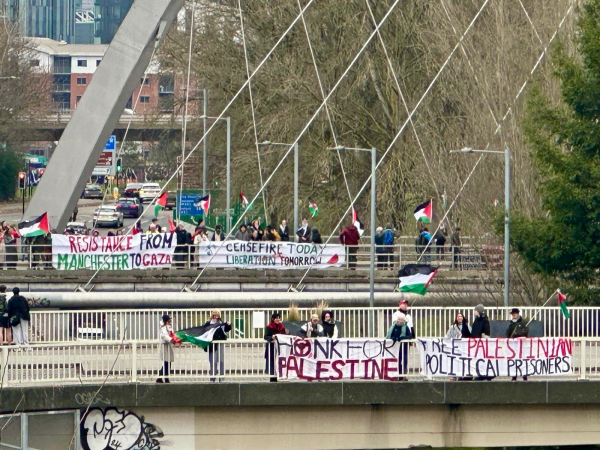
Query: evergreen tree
point(563, 242)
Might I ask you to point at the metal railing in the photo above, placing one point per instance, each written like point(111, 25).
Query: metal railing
point(233, 360)
point(387, 258)
point(142, 325)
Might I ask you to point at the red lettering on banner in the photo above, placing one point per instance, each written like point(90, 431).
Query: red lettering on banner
point(281, 364)
point(72, 244)
point(335, 366)
point(542, 347)
point(530, 348)
point(390, 365)
point(322, 370)
point(472, 344)
point(509, 347)
point(353, 363)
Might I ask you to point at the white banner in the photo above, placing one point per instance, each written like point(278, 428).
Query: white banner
point(140, 251)
point(337, 359)
point(495, 357)
point(271, 255)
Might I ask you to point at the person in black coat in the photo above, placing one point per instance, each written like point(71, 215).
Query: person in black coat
point(215, 351)
point(316, 236)
point(481, 324)
point(18, 316)
point(274, 328)
point(181, 250)
point(304, 233)
point(517, 329)
point(284, 231)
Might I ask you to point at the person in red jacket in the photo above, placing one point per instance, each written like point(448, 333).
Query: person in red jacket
point(350, 237)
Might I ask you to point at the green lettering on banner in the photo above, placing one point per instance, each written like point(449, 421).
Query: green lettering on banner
point(62, 260)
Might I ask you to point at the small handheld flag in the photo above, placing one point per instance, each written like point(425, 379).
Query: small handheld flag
point(562, 302)
point(354, 216)
point(35, 227)
point(313, 208)
point(243, 199)
point(424, 212)
point(161, 203)
point(204, 204)
point(417, 279)
point(172, 226)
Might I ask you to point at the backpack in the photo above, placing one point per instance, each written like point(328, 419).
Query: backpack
point(388, 237)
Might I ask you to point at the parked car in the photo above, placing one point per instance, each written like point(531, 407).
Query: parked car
point(171, 200)
point(108, 216)
point(130, 207)
point(93, 191)
point(78, 228)
point(149, 191)
point(132, 190)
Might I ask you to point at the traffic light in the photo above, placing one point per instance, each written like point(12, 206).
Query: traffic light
point(21, 180)
point(119, 165)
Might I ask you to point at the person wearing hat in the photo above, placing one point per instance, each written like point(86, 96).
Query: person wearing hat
point(403, 309)
point(165, 348)
point(379, 249)
point(481, 324)
point(517, 329)
point(18, 316)
point(312, 329)
point(274, 328)
point(400, 331)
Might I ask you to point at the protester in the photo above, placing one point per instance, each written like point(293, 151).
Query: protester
point(95, 233)
point(312, 328)
point(181, 250)
point(330, 329)
point(218, 235)
point(316, 236)
point(110, 233)
point(255, 236)
point(5, 332)
point(403, 309)
point(200, 237)
point(2, 249)
point(379, 249)
point(304, 232)
point(460, 329)
point(137, 227)
point(119, 232)
point(388, 241)
point(152, 229)
point(37, 251)
point(284, 231)
point(10, 245)
point(481, 324)
point(456, 245)
point(400, 331)
point(18, 314)
point(242, 234)
point(439, 239)
point(274, 328)
point(166, 352)
point(158, 227)
point(259, 232)
point(349, 237)
point(517, 329)
point(74, 215)
point(216, 352)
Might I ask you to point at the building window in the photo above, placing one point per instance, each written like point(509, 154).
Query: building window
point(98, 62)
point(62, 64)
point(144, 99)
point(81, 63)
point(81, 81)
point(145, 81)
point(166, 103)
point(34, 63)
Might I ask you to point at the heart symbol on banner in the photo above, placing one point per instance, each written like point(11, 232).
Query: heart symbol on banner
point(333, 260)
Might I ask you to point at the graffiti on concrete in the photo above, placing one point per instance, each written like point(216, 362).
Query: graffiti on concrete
point(114, 429)
point(38, 302)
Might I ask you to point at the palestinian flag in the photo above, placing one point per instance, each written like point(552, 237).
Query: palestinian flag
point(243, 199)
point(313, 208)
point(562, 302)
point(35, 227)
point(424, 212)
point(161, 203)
point(418, 282)
point(354, 216)
point(204, 204)
point(203, 336)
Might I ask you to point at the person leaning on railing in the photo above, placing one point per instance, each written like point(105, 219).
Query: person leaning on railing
point(216, 354)
point(399, 331)
point(350, 238)
point(6, 333)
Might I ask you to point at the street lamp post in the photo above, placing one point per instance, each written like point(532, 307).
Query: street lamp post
point(373, 152)
point(228, 121)
point(506, 153)
point(296, 164)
